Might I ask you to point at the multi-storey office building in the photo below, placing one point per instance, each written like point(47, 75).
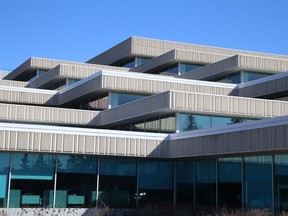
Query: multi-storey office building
point(146, 122)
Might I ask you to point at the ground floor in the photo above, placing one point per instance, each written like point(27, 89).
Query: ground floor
point(66, 181)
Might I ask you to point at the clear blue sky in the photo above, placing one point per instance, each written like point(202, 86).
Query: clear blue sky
point(79, 30)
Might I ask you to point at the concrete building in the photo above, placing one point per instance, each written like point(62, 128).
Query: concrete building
point(146, 122)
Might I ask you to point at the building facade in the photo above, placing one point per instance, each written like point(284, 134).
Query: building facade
point(147, 122)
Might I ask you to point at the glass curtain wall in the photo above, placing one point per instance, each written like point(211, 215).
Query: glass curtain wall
point(281, 182)
point(76, 181)
point(205, 192)
point(32, 180)
point(230, 182)
point(155, 183)
point(118, 182)
point(185, 182)
point(186, 122)
point(4, 172)
point(117, 99)
point(258, 181)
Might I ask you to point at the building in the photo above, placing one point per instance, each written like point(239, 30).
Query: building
point(146, 122)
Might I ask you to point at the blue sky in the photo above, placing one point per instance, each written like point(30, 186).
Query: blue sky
point(79, 30)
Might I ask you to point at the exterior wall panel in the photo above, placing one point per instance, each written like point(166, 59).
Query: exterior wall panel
point(98, 143)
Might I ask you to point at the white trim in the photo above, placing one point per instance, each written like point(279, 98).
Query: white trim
point(79, 131)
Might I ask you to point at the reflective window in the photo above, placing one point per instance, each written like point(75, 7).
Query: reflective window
point(185, 67)
point(141, 60)
point(118, 182)
point(185, 181)
point(138, 126)
point(129, 64)
point(281, 182)
point(168, 124)
point(155, 183)
point(258, 181)
point(4, 170)
point(221, 121)
point(230, 182)
point(188, 122)
point(70, 81)
point(32, 180)
point(76, 181)
point(118, 99)
point(205, 193)
point(250, 76)
point(230, 78)
point(152, 125)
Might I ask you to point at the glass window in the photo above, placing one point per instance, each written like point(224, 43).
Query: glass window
point(258, 181)
point(70, 81)
point(130, 63)
point(234, 78)
point(172, 69)
point(281, 182)
point(188, 122)
point(221, 120)
point(168, 124)
point(250, 76)
point(138, 126)
point(118, 182)
point(4, 170)
point(76, 181)
point(152, 125)
point(32, 180)
point(185, 181)
point(141, 60)
point(118, 99)
point(155, 183)
point(206, 183)
point(230, 78)
point(230, 182)
point(184, 67)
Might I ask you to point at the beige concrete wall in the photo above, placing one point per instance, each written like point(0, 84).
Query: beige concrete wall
point(139, 83)
point(78, 141)
point(46, 115)
point(12, 83)
point(174, 56)
point(27, 96)
point(137, 46)
point(173, 101)
point(34, 63)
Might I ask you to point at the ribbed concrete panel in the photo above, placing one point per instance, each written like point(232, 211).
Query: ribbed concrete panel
point(12, 83)
point(62, 72)
point(227, 105)
point(137, 83)
point(269, 87)
point(172, 101)
point(269, 135)
point(213, 70)
point(46, 115)
point(238, 63)
point(82, 90)
point(138, 109)
point(137, 46)
point(27, 96)
point(174, 56)
point(156, 84)
point(33, 138)
point(155, 63)
point(47, 64)
point(264, 64)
